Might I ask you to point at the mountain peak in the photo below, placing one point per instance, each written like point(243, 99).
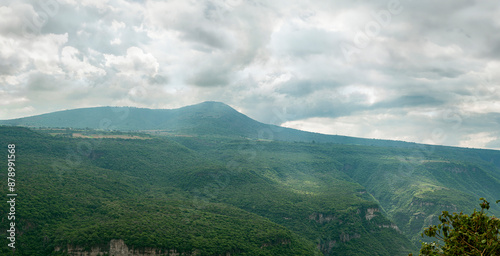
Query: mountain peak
point(217, 104)
point(206, 118)
point(212, 106)
point(209, 102)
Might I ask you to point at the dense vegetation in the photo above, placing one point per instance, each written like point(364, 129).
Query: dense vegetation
point(222, 187)
point(159, 193)
point(461, 234)
point(65, 198)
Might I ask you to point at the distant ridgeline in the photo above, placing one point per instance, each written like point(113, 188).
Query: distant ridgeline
point(207, 118)
point(201, 180)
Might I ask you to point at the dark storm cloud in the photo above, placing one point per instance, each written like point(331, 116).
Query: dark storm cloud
point(410, 101)
point(38, 82)
point(302, 88)
point(210, 78)
point(324, 108)
point(210, 37)
point(10, 65)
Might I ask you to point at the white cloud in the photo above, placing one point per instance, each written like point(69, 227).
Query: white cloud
point(376, 126)
point(40, 53)
point(117, 25)
point(116, 41)
point(477, 140)
point(101, 5)
point(363, 94)
point(78, 65)
point(44, 52)
point(136, 62)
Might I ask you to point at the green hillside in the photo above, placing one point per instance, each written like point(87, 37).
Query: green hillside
point(411, 185)
point(207, 118)
point(161, 194)
point(201, 180)
point(75, 202)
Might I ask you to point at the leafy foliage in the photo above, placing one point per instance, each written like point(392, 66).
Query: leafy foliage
point(78, 203)
point(460, 234)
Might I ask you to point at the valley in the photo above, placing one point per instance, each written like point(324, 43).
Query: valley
point(208, 180)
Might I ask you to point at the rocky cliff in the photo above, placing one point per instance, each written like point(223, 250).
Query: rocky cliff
point(117, 247)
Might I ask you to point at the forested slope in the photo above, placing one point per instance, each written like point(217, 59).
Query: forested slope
point(207, 198)
point(214, 185)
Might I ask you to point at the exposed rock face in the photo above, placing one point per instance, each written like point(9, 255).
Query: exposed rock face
point(344, 238)
point(327, 246)
point(393, 226)
point(277, 242)
point(460, 169)
point(420, 203)
point(370, 213)
point(322, 218)
point(117, 247)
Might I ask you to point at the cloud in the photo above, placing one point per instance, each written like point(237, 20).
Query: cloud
point(429, 67)
point(478, 140)
point(135, 62)
point(78, 65)
point(22, 54)
point(410, 101)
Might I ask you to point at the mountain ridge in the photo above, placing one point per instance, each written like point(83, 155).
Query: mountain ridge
point(316, 191)
point(206, 118)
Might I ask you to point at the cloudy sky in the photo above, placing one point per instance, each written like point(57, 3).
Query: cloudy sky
point(422, 71)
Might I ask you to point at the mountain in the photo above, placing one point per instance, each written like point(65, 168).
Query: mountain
point(207, 118)
point(204, 196)
point(184, 180)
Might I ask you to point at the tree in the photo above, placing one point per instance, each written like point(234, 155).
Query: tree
point(460, 234)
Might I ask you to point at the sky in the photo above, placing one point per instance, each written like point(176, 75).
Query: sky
point(420, 71)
